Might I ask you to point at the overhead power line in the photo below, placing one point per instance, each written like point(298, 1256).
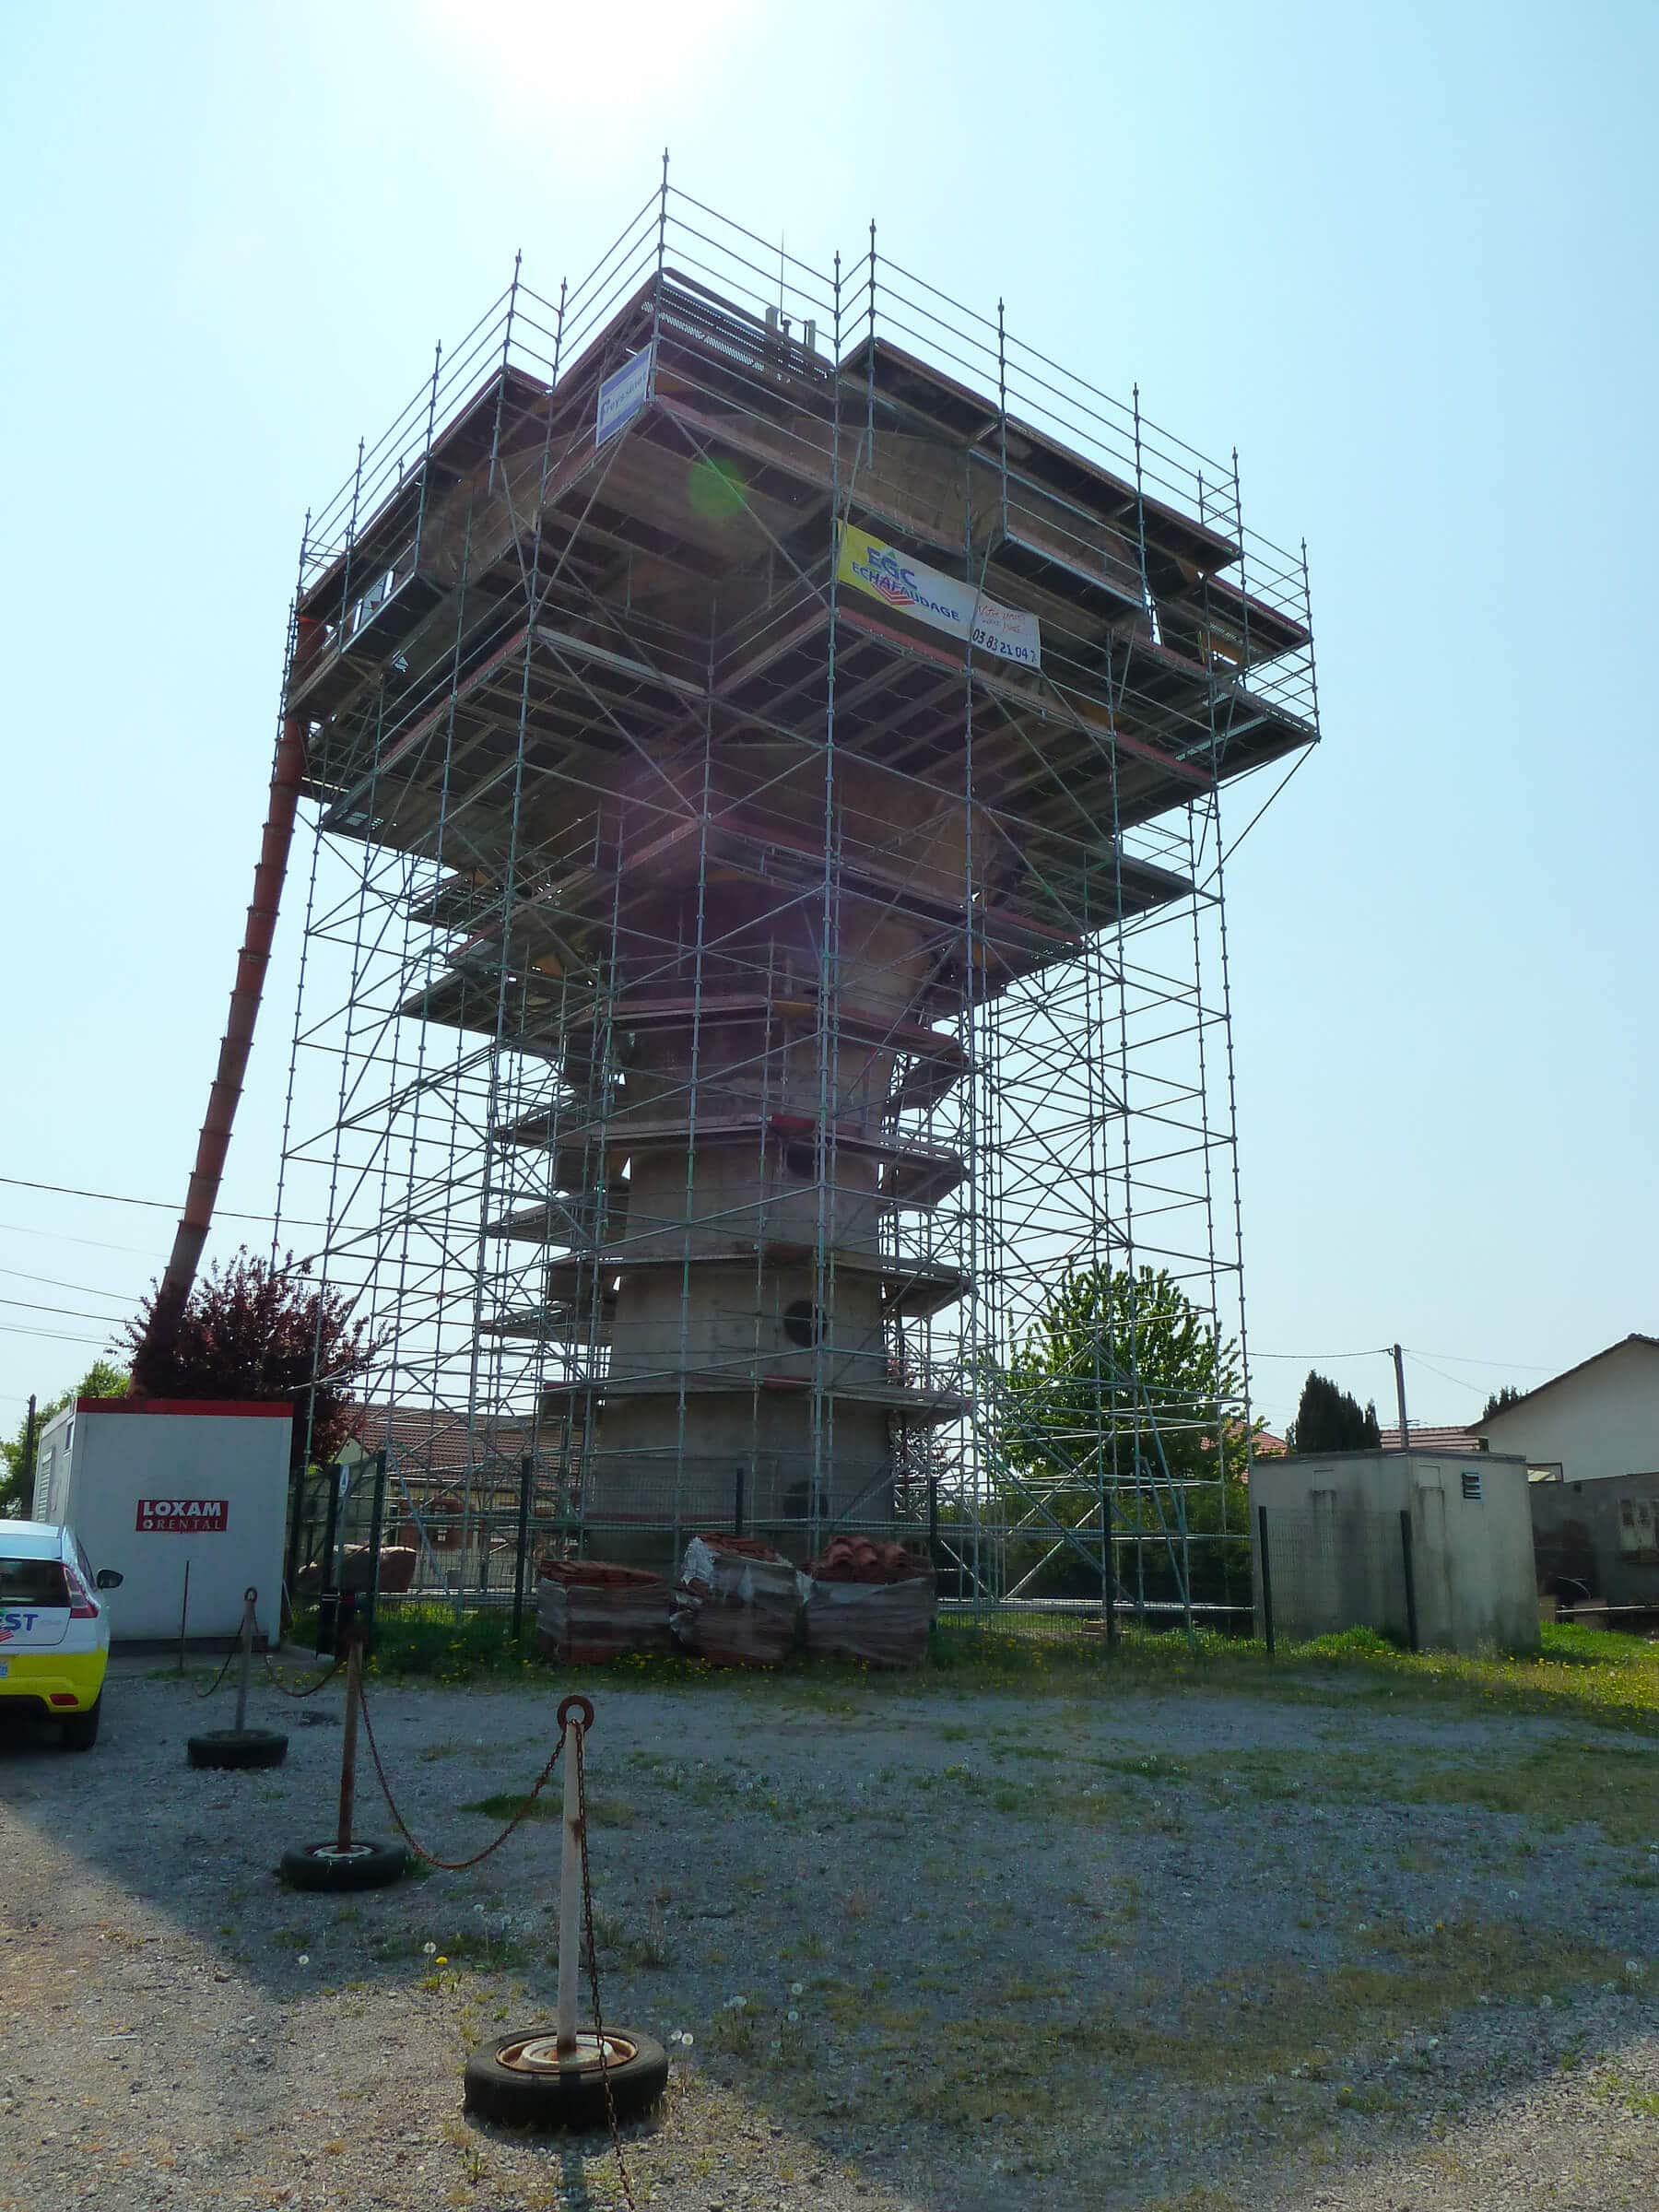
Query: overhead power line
point(56, 1282)
point(23, 1228)
point(12, 1328)
point(161, 1206)
point(31, 1305)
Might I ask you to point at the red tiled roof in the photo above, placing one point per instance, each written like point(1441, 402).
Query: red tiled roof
point(1427, 1438)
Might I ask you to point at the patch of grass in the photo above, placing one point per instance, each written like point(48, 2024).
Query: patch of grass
point(1614, 2087)
point(1587, 1674)
point(548, 1807)
point(1551, 1786)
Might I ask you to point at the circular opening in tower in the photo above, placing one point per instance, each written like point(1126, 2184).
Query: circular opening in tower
point(801, 1161)
point(803, 1322)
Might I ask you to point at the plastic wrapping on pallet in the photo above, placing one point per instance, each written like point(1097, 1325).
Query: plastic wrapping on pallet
point(592, 1610)
point(869, 1601)
point(736, 1602)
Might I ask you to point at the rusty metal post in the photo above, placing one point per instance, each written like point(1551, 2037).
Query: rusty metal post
point(354, 1690)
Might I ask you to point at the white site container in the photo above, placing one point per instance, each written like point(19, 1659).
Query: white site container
point(148, 1484)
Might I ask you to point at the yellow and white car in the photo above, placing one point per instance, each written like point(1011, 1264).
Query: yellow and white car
point(55, 1635)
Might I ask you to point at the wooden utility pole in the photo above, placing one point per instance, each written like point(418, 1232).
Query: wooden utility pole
point(1399, 1361)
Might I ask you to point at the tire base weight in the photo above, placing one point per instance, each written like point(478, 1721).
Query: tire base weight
point(357, 1867)
point(521, 2080)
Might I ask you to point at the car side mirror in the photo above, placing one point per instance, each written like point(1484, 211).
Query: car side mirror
point(109, 1578)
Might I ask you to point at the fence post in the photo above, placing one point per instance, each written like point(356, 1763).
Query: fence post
point(290, 1572)
point(1109, 1562)
point(738, 1503)
point(1266, 1577)
point(1410, 1566)
point(330, 1530)
point(377, 1532)
point(526, 1477)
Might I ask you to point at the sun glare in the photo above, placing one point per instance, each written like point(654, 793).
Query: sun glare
point(541, 56)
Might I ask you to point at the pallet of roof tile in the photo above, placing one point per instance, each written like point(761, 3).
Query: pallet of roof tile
point(736, 1602)
point(591, 1611)
point(870, 1602)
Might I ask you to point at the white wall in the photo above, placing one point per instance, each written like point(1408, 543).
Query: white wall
point(116, 1458)
point(1603, 1420)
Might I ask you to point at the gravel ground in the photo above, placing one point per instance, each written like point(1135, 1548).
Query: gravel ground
point(1162, 1952)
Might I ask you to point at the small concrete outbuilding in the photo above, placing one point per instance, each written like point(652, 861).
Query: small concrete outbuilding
point(1439, 1544)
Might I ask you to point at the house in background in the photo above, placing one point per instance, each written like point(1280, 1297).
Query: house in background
point(1597, 1420)
point(1590, 1438)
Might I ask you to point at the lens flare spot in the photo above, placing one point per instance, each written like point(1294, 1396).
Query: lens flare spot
point(715, 488)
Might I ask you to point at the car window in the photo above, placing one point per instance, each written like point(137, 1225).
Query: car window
point(86, 1564)
point(32, 1583)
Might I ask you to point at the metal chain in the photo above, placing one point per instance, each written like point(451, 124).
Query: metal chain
point(311, 1691)
point(592, 1955)
point(222, 1673)
point(449, 1866)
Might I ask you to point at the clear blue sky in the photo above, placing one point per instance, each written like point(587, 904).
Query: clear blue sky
point(1403, 256)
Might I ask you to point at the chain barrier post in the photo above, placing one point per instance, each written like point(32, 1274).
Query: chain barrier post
point(249, 1596)
point(346, 1861)
point(241, 1745)
point(569, 1880)
point(572, 2077)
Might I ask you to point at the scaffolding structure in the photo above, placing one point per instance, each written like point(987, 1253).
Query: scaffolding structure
point(765, 930)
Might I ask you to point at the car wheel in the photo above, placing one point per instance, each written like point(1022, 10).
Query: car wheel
point(518, 2080)
point(359, 1866)
point(237, 1748)
point(80, 1729)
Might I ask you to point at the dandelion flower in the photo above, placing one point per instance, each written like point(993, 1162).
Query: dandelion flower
point(429, 1948)
point(305, 1957)
point(798, 1989)
point(792, 2017)
point(442, 1961)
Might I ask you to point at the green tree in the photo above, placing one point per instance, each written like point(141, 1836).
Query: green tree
point(1123, 1386)
point(1505, 1394)
point(103, 1378)
point(1328, 1419)
point(254, 1330)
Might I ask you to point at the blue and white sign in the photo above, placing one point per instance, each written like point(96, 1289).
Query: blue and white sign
point(623, 394)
